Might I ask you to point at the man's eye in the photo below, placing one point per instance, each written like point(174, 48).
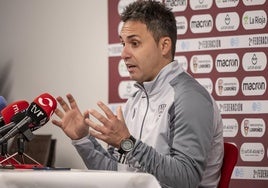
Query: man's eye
point(135, 44)
point(123, 44)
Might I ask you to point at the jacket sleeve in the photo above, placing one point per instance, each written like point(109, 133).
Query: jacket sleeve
point(94, 155)
point(191, 132)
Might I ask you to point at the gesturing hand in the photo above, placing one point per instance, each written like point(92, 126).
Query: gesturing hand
point(112, 128)
point(72, 121)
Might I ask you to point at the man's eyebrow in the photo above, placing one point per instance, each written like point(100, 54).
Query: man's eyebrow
point(128, 37)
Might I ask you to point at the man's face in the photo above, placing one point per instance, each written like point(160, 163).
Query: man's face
point(142, 56)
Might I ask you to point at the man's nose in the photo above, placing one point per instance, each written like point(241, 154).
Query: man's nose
point(125, 54)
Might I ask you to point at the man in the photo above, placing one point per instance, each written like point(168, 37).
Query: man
point(170, 127)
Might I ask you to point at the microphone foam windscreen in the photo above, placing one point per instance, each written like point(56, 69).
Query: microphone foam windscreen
point(41, 109)
point(12, 109)
point(3, 103)
point(47, 102)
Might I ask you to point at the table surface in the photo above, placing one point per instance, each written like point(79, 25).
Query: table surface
point(20, 178)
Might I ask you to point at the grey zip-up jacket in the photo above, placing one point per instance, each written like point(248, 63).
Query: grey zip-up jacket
point(178, 128)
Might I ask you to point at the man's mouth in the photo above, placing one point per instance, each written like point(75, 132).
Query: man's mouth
point(130, 67)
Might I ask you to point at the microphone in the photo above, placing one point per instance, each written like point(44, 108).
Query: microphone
point(37, 114)
point(11, 114)
point(9, 111)
point(14, 120)
point(3, 103)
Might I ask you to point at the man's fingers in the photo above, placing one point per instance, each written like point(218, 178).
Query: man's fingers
point(108, 112)
point(86, 114)
point(97, 135)
point(71, 101)
point(59, 113)
point(57, 123)
point(95, 126)
point(63, 104)
point(98, 116)
point(119, 113)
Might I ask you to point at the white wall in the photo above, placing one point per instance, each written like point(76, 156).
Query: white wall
point(55, 46)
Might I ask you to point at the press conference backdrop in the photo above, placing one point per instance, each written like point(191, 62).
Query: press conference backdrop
point(223, 44)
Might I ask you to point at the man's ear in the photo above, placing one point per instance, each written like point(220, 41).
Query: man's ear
point(165, 45)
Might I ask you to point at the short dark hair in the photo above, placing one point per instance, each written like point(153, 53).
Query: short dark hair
point(159, 19)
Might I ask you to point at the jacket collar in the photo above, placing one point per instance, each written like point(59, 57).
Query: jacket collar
point(164, 77)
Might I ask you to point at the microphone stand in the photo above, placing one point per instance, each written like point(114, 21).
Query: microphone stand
point(21, 145)
point(5, 155)
point(4, 149)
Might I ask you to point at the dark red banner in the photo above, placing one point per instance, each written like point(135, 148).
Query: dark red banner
point(224, 45)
